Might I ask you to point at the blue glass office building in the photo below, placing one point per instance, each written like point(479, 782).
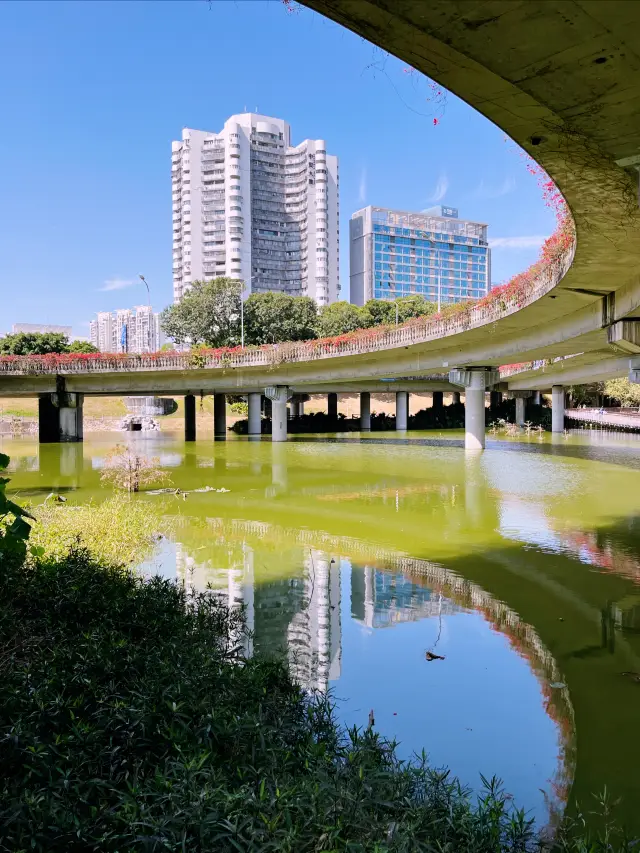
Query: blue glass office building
point(434, 253)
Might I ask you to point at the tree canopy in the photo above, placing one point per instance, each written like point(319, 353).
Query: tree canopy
point(339, 318)
point(622, 391)
point(271, 317)
point(34, 343)
point(82, 346)
point(209, 314)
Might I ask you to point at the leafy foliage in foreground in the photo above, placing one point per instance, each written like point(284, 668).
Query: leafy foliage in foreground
point(14, 527)
point(129, 720)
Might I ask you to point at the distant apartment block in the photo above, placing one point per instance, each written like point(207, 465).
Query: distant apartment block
point(394, 253)
point(127, 330)
point(42, 328)
point(249, 205)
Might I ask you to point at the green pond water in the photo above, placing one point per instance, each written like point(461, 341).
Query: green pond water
point(355, 556)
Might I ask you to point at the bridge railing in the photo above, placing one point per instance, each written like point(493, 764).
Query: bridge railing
point(419, 330)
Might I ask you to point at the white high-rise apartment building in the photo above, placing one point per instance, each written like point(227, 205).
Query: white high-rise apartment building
point(126, 330)
point(249, 205)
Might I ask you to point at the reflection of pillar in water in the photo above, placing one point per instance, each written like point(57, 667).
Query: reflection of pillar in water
point(71, 461)
point(474, 493)
point(248, 588)
point(279, 465)
point(185, 568)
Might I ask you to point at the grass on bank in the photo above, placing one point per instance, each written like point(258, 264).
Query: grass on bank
point(131, 720)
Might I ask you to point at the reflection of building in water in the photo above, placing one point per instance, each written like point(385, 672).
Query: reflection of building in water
point(314, 632)
point(298, 615)
point(380, 599)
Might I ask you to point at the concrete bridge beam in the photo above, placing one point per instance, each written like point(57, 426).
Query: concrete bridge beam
point(402, 410)
point(189, 417)
point(365, 411)
point(254, 402)
point(219, 417)
point(558, 404)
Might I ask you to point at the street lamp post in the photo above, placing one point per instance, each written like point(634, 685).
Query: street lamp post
point(242, 310)
point(146, 284)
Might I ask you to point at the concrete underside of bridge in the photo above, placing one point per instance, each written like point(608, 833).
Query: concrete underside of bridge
point(563, 80)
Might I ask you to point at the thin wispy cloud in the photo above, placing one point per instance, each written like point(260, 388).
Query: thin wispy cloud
point(532, 241)
point(486, 190)
point(117, 283)
point(362, 189)
point(441, 189)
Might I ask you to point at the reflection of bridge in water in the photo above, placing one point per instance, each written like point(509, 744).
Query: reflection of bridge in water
point(297, 608)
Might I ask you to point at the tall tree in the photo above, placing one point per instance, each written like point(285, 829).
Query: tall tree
point(274, 317)
point(378, 312)
point(33, 343)
point(82, 346)
point(338, 318)
point(622, 391)
point(414, 306)
point(209, 314)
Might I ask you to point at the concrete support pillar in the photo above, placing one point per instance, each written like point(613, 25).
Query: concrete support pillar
point(520, 404)
point(475, 381)
point(219, 417)
point(70, 415)
point(365, 411)
point(332, 406)
point(255, 421)
point(495, 398)
point(189, 417)
point(474, 415)
point(48, 420)
point(455, 398)
point(300, 408)
point(278, 395)
point(437, 399)
point(557, 408)
point(402, 410)
point(537, 398)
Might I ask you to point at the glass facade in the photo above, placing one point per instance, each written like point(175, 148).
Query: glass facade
point(427, 254)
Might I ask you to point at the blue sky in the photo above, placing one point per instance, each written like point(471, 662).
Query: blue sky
point(94, 92)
